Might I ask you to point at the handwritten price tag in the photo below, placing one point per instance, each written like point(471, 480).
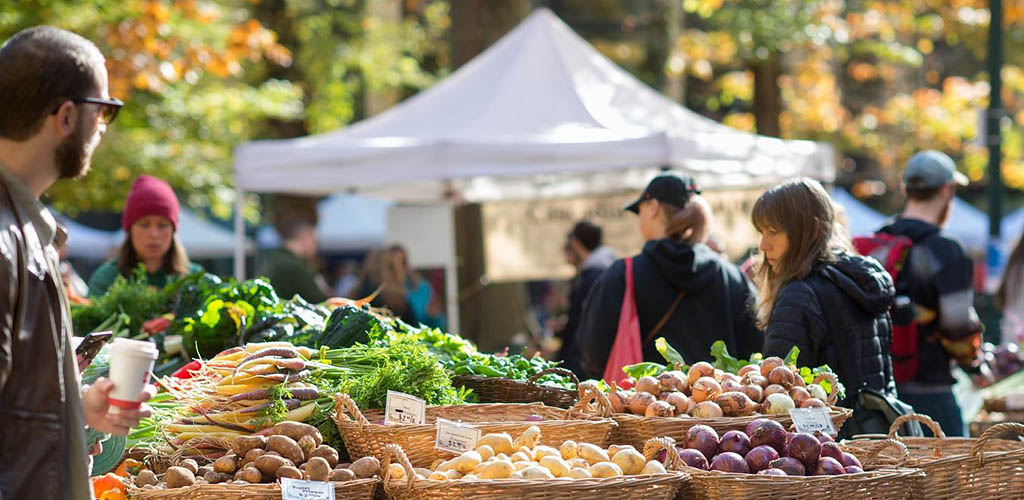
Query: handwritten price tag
point(455, 437)
point(402, 408)
point(1015, 401)
point(294, 489)
point(812, 419)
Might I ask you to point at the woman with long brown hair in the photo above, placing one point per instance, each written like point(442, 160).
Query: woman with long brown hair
point(819, 296)
point(684, 291)
point(150, 223)
point(1010, 297)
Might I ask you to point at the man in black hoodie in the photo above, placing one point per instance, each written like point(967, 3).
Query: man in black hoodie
point(938, 279)
point(678, 281)
point(583, 249)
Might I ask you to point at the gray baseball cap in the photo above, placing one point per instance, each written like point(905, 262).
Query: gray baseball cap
point(931, 169)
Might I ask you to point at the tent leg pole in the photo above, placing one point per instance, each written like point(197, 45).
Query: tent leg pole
point(239, 234)
point(451, 275)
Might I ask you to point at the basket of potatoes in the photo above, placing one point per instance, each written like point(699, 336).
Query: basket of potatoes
point(254, 466)
point(366, 435)
point(582, 471)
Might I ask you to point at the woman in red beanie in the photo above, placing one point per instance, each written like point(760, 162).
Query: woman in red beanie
point(150, 222)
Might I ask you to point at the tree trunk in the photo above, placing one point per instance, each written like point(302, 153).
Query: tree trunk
point(767, 96)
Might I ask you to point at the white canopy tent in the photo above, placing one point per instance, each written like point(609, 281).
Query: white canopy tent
point(863, 219)
point(87, 242)
point(541, 113)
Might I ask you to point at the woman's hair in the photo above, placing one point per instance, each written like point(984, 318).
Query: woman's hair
point(1013, 277)
point(802, 210)
point(378, 272)
point(689, 224)
point(175, 260)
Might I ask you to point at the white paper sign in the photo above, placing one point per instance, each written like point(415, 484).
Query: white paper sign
point(402, 408)
point(456, 437)
point(1015, 401)
point(812, 419)
point(295, 489)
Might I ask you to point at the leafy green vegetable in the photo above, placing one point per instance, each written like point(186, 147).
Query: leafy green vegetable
point(643, 369)
point(670, 354)
point(131, 297)
point(723, 361)
point(347, 326)
point(792, 356)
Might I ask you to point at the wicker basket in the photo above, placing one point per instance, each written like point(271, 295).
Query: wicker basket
point(985, 419)
point(363, 438)
point(504, 390)
point(359, 489)
point(649, 487)
point(961, 468)
point(202, 449)
point(874, 484)
point(635, 430)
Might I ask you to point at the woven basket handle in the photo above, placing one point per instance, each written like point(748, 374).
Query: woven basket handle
point(915, 417)
point(873, 455)
point(557, 371)
point(193, 444)
point(396, 452)
point(591, 394)
point(992, 432)
point(344, 406)
point(833, 396)
point(654, 445)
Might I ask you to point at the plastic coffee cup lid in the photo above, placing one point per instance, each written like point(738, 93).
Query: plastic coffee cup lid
point(135, 347)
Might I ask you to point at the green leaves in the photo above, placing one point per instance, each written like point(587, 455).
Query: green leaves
point(670, 354)
point(644, 369)
point(723, 361)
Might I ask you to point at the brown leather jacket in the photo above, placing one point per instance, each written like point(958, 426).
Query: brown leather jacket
point(42, 430)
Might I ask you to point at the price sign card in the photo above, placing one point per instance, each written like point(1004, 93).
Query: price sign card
point(456, 437)
point(294, 489)
point(812, 419)
point(402, 408)
point(1015, 401)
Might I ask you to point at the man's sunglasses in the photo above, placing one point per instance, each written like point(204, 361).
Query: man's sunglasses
point(108, 107)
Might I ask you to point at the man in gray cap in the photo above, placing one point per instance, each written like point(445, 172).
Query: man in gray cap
point(937, 278)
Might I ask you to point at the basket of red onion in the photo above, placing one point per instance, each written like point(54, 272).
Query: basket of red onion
point(766, 461)
point(672, 402)
point(991, 466)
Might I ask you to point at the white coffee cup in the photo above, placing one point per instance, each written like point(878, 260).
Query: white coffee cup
point(131, 362)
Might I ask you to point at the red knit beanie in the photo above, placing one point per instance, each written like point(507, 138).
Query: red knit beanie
point(149, 196)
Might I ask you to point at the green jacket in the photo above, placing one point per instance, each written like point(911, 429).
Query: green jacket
point(290, 275)
point(105, 275)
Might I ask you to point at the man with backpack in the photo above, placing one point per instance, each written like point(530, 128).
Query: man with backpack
point(934, 321)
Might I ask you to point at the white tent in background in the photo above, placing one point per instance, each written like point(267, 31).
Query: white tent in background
point(201, 238)
point(347, 223)
point(540, 113)
point(863, 219)
point(969, 225)
point(85, 242)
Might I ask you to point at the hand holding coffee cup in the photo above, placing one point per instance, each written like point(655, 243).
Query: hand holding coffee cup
point(115, 405)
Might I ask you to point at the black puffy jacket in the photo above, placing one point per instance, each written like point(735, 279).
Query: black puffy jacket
point(717, 305)
point(838, 315)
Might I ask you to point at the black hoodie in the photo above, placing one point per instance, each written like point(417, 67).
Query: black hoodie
point(838, 315)
point(717, 305)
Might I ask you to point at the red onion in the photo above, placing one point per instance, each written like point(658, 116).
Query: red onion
point(734, 441)
point(791, 466)
point(853, 469)
point(850, 460)
point(693, 458)
point(804, 447)
point(770, 433)
point(828, 466)
point(704, 439)
point(771, 472)
point(832, 449)
point(730, 462)
point(753, 425)
point(759, 458)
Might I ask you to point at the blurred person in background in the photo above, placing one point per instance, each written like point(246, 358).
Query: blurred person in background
point(150, 223)
point(585, 252)
point(348, 279)
point(290, 268)
point(380, 279)
point(1010, 297)
point(422, 299)
point(939, 282)
point(684, 291)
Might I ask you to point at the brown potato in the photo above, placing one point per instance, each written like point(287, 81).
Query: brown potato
point(214, 477)
point(308, 444)
point(251, 456)
point(317, 469)
point(203, 470)
point(249, 474)
point(268, 464)
point(296, 430)
point(341, 475)
point(242, 444)
point(366, 467)
point(227, 464)
point(178, 477)
point(289, 472)
point(286, 447)
point(327, 452)
point(145, 477)
point(190, 464)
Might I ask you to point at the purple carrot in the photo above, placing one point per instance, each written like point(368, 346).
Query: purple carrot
point(231, 427)
point(250, 396)
point(291, 404)
point(282, 352)
point(305, 393)
point(288, 377)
